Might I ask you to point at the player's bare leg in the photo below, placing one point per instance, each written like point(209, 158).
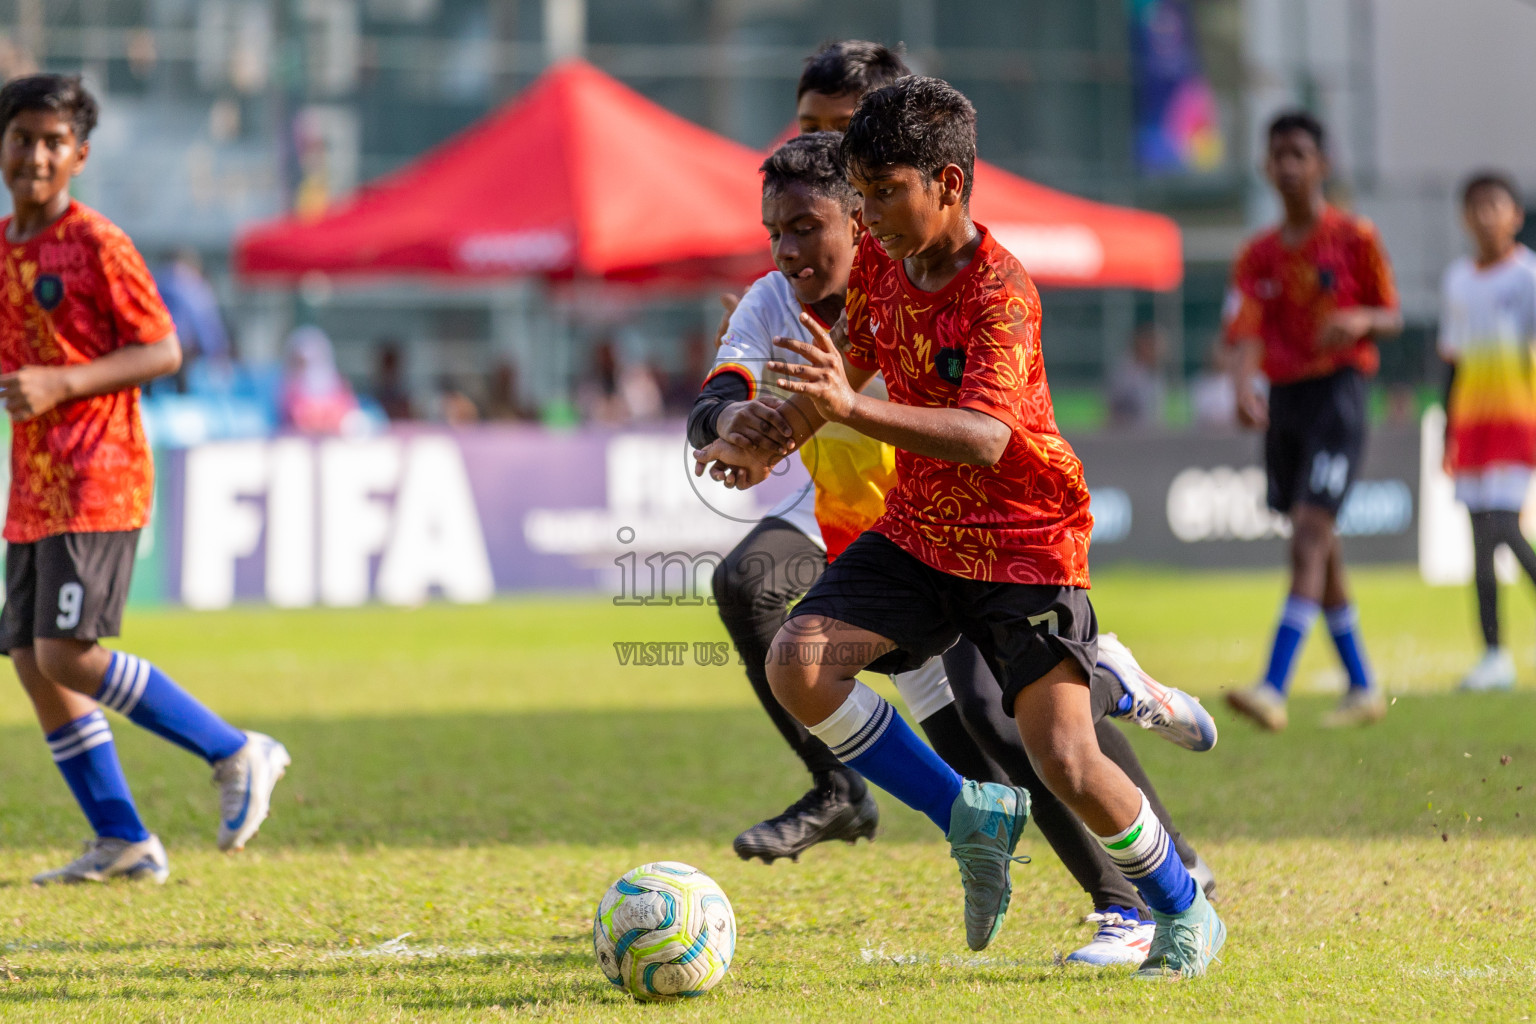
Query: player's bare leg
point(812, 669)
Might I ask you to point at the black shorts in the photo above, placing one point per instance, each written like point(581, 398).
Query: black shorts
point(1023, 630)
point(1315, 440)
point(72, 586)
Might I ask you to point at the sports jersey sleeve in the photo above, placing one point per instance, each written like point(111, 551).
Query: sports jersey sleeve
point(1453, 327)
point(1377, 286)
point(861, 338)
point(1242, 313)
point(138, 313)
point(748, 342)
point(1004, 343)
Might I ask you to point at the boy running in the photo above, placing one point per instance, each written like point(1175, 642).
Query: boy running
point(1309, 298)
point(1487, 334)
point(82, 327)
point(985, 533)
point(808, 210)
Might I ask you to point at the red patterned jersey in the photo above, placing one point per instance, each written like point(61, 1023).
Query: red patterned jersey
point(975, 344)
point(74, 293)
point(1282, 295)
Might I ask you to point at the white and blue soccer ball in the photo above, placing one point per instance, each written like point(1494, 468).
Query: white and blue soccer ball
point(664, 931)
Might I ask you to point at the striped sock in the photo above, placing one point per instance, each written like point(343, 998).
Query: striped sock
point(149, 698)
point(1344, 625)
point(1296, 618)
point(1145, 854)
point(866, 733)
point(87, 758)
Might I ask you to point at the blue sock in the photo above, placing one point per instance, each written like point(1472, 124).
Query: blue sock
point(1344, 624)
point(867, 734)
point(149, 698)
point(1145, 853)
point(87, 758)
point(1296, 618)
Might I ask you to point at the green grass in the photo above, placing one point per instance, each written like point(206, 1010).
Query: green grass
point(467, 782)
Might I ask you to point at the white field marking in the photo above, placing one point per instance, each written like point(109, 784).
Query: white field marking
point(397, 947)
point(872, 955)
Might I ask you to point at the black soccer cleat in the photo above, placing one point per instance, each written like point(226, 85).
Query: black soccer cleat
point(840, 806)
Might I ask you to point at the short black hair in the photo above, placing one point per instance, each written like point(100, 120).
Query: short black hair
point(65, 95)
point(851, 66)
point(1290, 121)
point(1494, 180)
point(810, 160)
point(917, 122)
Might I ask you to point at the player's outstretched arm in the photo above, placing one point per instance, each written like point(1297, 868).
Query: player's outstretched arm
point(33, 390)
point(955, 435)
point(1344, 327)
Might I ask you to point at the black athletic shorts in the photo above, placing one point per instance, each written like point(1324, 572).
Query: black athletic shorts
point(1023, 630)
point(72, 586)
point(1315, 440)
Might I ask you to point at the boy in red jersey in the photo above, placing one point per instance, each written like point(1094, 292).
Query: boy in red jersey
point(81, 327)
point(1309, 299)
point(985, 534)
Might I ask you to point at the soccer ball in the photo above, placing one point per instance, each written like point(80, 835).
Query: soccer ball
point(663, 931)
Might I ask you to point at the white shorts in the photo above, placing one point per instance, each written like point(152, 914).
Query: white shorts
point(1498, 488)
point(925, 689)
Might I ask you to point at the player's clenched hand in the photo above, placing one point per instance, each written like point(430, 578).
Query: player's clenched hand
point(822, 379)
point(736, 467)
point(1344, 327)
point(1252, 408)
point(756, 424)
point(33, 390)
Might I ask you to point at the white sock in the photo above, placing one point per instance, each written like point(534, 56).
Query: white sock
point(1142, 847)
point(861, 720)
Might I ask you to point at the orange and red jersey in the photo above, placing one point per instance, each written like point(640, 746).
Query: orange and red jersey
point(74, 293)
point(1282, 296)
point(975, 344)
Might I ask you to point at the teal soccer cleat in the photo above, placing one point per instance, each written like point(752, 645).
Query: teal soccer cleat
point(1184, 944)
point(984, 826)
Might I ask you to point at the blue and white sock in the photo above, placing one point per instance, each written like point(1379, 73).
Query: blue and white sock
point(1344, 624)
point(149, 698)
point(867, 734)
point(87, 758)
point(1296, 618)
point(1145, 853)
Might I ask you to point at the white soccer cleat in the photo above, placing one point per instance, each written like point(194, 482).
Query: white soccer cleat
point(1119, 940)
point(246, 779)
point(107, 857)
point(1496, 671)
point(1262, 703)
point(1360, 705)
point(1170, 712)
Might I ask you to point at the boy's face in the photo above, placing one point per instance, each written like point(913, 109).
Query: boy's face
point(1493, 218)
point(813, 240)
point(819, 112)
point(39, 155)
point(905, 209)
point(1295, 166)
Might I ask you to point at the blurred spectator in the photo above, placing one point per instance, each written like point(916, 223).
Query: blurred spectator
point(640, 393)
point(503, 402)
point(683, 386)
point(316, 398)
point(1136, 382)
point(389, 382)
point(1212, 399)
point(194, 308)
point(454, 406)
point(616, 393)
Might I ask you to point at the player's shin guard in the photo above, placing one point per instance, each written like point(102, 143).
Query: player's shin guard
point(1296, 619)
point(87, 758)
point(1147, 857)
point(866, 733)
point(1344, 625)
point(149, 698)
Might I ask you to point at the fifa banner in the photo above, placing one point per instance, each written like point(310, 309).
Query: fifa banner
point(418, 515)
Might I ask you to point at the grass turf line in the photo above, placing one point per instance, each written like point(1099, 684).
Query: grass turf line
point(468, 781)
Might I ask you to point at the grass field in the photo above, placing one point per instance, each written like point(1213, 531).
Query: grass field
point(468, 781)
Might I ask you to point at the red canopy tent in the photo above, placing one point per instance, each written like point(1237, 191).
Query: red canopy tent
point(580, 177)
